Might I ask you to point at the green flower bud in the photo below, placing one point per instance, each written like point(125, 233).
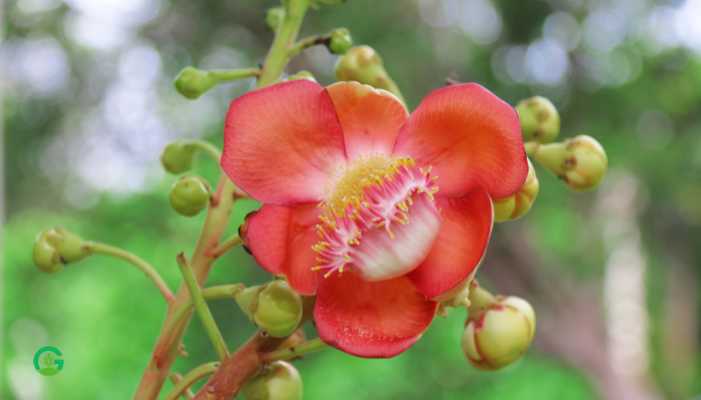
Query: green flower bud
point(340, 41)
point(540, 120)
point(56, 247)
point(274, 17)
point(500, 334)
point(518, 204)
point(278, 381)
point(304, 74)
point(177, 157)
point(189, 195)
point(192, 82)
point(580, 161)
point(274, 307)
point(364, 65)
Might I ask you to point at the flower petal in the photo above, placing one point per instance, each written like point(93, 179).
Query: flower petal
point(370, 319)
point(460, 245)
point(370, 117)
point(280, 238)
point(281, 143)
point(470, 137)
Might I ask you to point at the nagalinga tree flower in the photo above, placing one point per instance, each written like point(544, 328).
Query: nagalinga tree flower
point(376, 212)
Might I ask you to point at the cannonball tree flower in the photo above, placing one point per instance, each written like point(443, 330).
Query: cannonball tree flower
point(376, 212)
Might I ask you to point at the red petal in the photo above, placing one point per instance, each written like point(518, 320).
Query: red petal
point(281, 239)
point(370, 319)
point(460, 245)
point(370, 117)
point(282, 142)
point(471, 138)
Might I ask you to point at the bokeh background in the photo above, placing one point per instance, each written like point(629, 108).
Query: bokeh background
point(88, 103)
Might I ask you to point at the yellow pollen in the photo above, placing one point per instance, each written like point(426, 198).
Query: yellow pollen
point(349, 188)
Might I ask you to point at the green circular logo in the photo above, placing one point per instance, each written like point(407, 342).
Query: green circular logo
point(48, 361)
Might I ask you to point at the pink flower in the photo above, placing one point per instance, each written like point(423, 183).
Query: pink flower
point(375, 211)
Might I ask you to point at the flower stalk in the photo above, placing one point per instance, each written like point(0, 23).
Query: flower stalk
point(202, 309)
point(190, 378)
point(145, 267)
point(293, 352)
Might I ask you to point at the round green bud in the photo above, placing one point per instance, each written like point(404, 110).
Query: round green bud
point(304, 74)
point(363, 64)
point(275, 307)
point(518, 204)
point(274, 17)
point(177, 157)
point(540, 120)
point(340, 41)
point(499, 335)
point(580, 162)
point(278, 381)
point(56, 247)
point(189, 195)
point(192, 82)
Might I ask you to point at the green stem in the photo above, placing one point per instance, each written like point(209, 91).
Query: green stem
point(187, 393)
point(202, 309)
point(480, 298)
point(146, 268)
point(225, 75)
point(209, 149)
point(308, 42)
point(310, 346)
point(191, 377)
point(280, 51)
point(210, 293)
point(227, 245)
point(531, 147)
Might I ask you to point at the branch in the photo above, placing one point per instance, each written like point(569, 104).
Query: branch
point(146, 268)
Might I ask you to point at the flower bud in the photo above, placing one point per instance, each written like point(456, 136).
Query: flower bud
point(274, 17)
point(274, 307)
point(364, 65)
point(56, 247)
point(540, 120)
point(192, 82)
point(177, 157)
point(340, 41)
point(189, 195)
point(303, 74)
point(500, 334)
point(580, 161)
point(278, 381)
point(518, 204)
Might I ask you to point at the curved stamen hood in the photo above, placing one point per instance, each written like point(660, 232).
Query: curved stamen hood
point(380, 220)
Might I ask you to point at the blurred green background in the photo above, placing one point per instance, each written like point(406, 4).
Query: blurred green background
point(88, 104)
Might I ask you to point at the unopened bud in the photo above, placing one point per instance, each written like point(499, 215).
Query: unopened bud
point(274, 307)
point(500, 334)
point(363, 64)
point(177, 157)
point(189, 195)
point(303, 74)
point(274, 17)
point(278, 381)
point(56, 247)
point(540, 120)
point(340, 41)
point(518, 204)
point(192, 82)
point(580, 161)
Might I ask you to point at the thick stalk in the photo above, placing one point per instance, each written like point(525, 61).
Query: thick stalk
point(166, 348)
